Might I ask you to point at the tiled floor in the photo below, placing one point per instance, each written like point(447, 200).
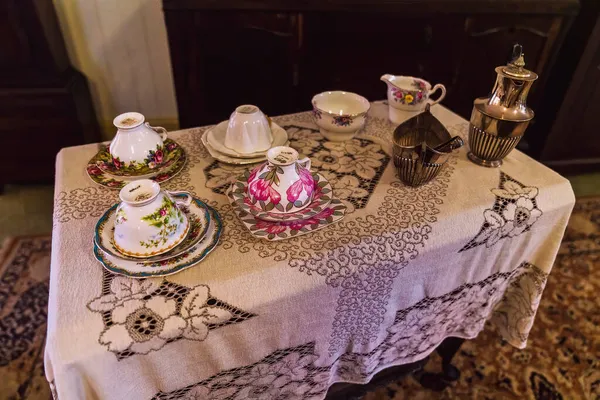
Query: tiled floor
point(27, 209)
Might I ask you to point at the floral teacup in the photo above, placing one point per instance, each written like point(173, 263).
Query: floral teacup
point(137, 147)
point(283, 184)
point(339, 115)
point(408, 93)
point(148, 221)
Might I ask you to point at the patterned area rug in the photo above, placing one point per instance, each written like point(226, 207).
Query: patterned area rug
point(562, 358)
point(24, 274)
point(561, 361)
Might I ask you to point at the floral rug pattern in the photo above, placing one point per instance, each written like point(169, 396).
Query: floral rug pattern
point(561, 360)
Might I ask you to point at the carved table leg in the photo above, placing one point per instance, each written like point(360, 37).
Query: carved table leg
point(438, 382)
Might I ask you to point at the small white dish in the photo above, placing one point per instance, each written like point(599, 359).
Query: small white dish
point(197, 213)
point(148, 221)
point(340, 115)
point(216, 138)
point(248, 130)
point(228, 159)
point(145, 269)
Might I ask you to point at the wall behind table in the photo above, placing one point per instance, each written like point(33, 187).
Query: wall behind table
point(121, 46)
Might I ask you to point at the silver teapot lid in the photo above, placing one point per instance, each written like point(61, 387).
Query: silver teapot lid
point(516, 67)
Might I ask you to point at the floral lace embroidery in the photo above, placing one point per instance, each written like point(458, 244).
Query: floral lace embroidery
point(352, 253)
point(514, 212)
point(141, 316)
point(514, 315)
point(291, 373)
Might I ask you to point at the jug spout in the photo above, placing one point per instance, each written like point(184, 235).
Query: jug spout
point(387, 78)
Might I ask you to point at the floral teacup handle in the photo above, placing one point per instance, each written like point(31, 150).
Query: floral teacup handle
point(162, 131)
point(305, 162)
point(173, 195)
point(435, 88)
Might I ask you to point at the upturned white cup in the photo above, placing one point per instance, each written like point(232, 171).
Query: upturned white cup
point(248, 130)
point(135, 139)
point(339, 115)
point(283, 184)
point(148, 220)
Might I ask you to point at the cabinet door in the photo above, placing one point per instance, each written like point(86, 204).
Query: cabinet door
point(351, 51)
point(221, 60)
point(32, 51)
point(489, 41)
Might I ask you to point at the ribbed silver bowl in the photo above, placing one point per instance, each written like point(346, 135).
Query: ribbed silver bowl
point(488, 149)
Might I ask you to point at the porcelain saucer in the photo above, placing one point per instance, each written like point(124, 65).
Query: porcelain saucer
point(106, 179)
point(197, 213)
point(227, 159)
point(322, 196)
point(305, 221)
point(145, 269)
point(216, 138)
point(170, 153)
point(271, 230)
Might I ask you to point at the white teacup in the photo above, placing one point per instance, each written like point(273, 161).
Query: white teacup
point(339, 115)
point(283, 184)
point(135, 140)
point(248, 130)
point(408, 94)
point(148, 221)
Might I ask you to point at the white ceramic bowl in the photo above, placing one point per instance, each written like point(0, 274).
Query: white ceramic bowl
point(248, 130)
point(339, 115)
point(148, 221)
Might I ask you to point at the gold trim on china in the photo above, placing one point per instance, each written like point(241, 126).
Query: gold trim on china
point(154, 253)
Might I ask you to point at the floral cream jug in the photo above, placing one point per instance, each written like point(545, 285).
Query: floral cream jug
point(148, 220)
point(136, 143)
point(283, 184)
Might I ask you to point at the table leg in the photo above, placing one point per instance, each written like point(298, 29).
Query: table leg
point(438, 382)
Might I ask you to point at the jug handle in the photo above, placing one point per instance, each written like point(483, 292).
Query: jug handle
point(173, 194)
point(435, 88)
point(158, 129)
point(306, 162)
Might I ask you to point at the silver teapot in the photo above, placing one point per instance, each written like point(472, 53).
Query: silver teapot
point(498, 122)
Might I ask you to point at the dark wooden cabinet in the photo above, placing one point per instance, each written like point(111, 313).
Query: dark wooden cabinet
point(45, 104)
point(573, 144)
point(277, 54)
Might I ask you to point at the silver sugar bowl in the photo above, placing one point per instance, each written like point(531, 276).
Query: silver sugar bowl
point(422, 146)
point(498, 122)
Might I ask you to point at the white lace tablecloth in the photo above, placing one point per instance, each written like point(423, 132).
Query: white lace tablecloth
point(403, 270)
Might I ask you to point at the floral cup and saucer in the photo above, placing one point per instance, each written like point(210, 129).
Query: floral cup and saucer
point(155, 222)
point(177, 260)
point(148, 221)
point(282, 198)
point(138, 151)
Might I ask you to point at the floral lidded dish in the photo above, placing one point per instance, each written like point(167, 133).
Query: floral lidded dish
point(283, 184)
point(148, 220)
point(340, 115)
